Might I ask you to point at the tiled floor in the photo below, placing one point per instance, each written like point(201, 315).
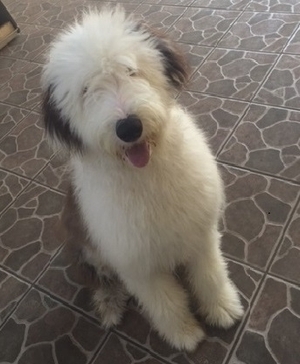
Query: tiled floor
point(245, 93)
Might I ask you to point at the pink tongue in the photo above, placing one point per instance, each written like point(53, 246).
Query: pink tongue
point(139, 155)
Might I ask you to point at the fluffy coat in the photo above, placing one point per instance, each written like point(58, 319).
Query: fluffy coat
point(147, 205)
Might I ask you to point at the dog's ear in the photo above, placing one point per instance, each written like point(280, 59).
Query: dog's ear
point(176, 68)
point(57, 126)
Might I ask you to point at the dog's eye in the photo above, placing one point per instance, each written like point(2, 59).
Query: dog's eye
point(84, 90)
point(131, 72)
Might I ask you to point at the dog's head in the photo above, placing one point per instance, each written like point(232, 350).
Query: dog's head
point(109, 85)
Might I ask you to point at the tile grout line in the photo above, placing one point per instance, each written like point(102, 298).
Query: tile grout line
point(243, 100)
point(226, 140)
point(30, 183)
point(282, 235)
point(99, 348)
point(26, 280)
point(139, 345)
point(66, 303)
point(259, 288)
point(262, 173)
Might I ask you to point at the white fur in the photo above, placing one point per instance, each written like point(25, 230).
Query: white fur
point(143, 222)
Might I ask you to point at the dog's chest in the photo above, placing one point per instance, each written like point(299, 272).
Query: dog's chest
point(131, 221)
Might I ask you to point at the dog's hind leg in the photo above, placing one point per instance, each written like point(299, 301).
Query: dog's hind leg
point(110, 295)
point(110, 299)
point(217, 295)
point(165, 301)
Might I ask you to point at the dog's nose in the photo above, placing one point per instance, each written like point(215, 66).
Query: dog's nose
point(129, 129)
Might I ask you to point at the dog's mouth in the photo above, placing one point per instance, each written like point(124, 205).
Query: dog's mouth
point(139, 154)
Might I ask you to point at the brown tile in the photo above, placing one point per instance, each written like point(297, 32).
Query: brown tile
point(232, 73)
point(286, 263)
point(117, 351)
point(41, 330)
point(266, 140)
point(224, 4)
point(61, 14)
point(169, 2)
point(159, 16)
point(27, 11)
point(23, 89)
point(65, 278)
point(8, 68)
point(31, 41)
point(30, 231)
point(282, 85)
point(25, 150)
point(257, 210)
point(260, 32)
point(11, 291)
point(214, 115)
point(10, 186)
point(56, 174)
point(218, 342)
point(279, 6)
point(194, 55)
point(202, 26)
point(294, 44)
point(271, 335)
point(10, 116)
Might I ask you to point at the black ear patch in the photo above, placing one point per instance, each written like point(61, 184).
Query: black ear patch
point(57, 126)
point(176, 68)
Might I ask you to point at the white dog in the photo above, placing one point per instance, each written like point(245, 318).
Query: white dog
point(146, 184)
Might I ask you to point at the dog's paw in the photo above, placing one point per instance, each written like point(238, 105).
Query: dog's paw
point(187, 337)
point(227, 310)
point(110, 310)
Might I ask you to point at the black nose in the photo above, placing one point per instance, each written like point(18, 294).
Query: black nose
point(129, 129)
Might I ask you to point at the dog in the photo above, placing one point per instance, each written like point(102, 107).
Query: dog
point(144, 181)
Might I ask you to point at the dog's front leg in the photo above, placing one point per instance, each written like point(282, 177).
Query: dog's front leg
point(167, 305)
point(217, 295)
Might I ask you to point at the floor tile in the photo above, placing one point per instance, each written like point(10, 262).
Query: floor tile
point(32, 40)
point(10, 186)
point(30, 231)
point(23, 89)
point(294, 44)
point(67, 279)
point(271, 336)
point(266, 140)
point(117, 351)
point(169, 2)
point(267, 32)
point(286, 263)
point(10, 116)
point(159, 16)
point(62, 13)
point(257, 210)
point(42, 330)
point(25, 149)
point(194, 55)
point(11, 291)
point(232, 73)
point(56, 174)
point(282, 87)
point(27, 11)
point(8, 68)
point(215, 348)
point(215, 116)
point(202, 26)
point(280, 6)
point(224, 4)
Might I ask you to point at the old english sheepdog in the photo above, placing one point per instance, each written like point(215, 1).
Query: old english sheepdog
point(146, 187)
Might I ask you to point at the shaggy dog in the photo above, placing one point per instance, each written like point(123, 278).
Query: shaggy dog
point(145, 181)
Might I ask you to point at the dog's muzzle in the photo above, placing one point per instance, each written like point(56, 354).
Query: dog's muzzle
point(129, 129)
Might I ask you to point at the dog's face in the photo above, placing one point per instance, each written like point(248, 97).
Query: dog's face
point(108, 87)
